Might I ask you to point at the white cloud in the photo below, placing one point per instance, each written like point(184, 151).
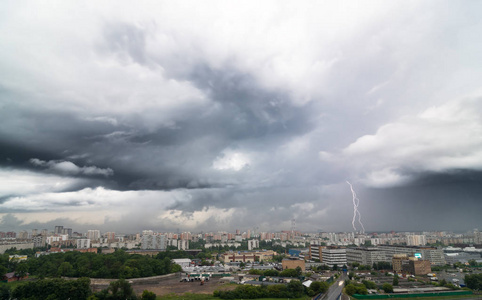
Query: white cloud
point(231, 160)
point(18, 182)
point(69, 168)
point(440, 139)
point(198, 218)
point(91, 205)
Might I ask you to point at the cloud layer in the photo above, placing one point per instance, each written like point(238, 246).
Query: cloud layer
point(221, 115)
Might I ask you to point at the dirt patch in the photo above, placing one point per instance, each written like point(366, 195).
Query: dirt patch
point(173, 286)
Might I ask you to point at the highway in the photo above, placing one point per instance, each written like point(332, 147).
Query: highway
point(335, 290)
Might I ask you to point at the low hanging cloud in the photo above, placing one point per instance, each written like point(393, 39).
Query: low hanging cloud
point(69, 168)
point(442, 139)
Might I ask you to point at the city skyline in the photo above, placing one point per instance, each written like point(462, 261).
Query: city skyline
point(239, 115)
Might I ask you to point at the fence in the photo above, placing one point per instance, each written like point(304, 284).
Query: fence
point(398, 296)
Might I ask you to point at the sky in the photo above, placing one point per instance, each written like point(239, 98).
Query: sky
point(222, 115)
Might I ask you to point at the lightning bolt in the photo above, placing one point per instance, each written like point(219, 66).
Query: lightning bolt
point(356, 202)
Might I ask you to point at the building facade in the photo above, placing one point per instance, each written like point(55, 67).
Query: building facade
point(315, 252)
point(293, 264)
point(334, 256)
point(83, 243)
point(434, 255)
point(365, 256)
point(151, 242)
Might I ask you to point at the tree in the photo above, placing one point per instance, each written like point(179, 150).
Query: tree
point(21, 270)
point(5, 292)
point(318, 287)
point(65, 269)
point(298, 270)
point(176, 268)
point(350, 289)
point(387, 288)
point(370, 284)
point(474, 281)
point(3, 271)
point(395, 280)
point(147, 295)
point(351, 275)
point(121, 289)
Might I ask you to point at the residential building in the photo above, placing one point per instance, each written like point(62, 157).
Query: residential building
point(58, 229)
point(253, 244)
point(416, 240)
point(183, 245)
point(151, 241)
point(83, 243)
point(93, 234)
point(39, 241)
point(67, 231)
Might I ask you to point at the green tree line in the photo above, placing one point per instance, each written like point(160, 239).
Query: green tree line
point(294, 289)
point(76, 264)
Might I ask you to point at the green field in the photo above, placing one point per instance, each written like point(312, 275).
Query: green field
point(189, 296)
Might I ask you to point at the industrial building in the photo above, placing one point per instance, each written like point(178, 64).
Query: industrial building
point(434, 255)
point(365, 255)
point(334, 256)
point(315, 252)
point(292, 263)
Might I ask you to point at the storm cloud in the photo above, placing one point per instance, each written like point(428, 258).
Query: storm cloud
point(218, 115)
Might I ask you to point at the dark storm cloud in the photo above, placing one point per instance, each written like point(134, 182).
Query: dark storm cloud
point(441, 202)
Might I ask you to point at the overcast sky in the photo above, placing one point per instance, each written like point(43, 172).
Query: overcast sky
point(218, 115)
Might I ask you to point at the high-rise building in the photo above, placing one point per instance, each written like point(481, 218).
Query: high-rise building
point(58, 229)
point(110, 236)
point(186, 236)
point(183, 245)
point(67, 231)
point(477, 237)
point(23, 235)
point(39, 241)
point(83, 243)
point(93, 234)
point(253, 244)
point(416, 240)
point(151, 241)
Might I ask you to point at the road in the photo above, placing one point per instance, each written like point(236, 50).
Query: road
point(335, 290)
